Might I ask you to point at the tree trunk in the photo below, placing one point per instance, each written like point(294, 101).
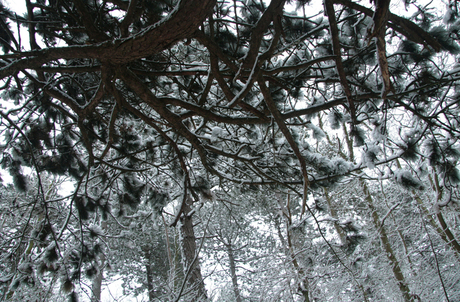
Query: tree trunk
point(190, 257)
point(445, 228)
point(387, 248)
point(303, 286)
point(441, 232)
point(148, 269)
point(333, 213)
point(294, 245)
point(96, 285)
point(231, 259)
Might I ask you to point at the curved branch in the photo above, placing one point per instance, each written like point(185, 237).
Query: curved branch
point(405, 27)
point(181, 23)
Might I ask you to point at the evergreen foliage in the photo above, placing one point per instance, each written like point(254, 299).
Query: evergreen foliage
point(317, 140)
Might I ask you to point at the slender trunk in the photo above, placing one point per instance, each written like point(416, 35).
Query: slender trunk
point(445, 228)
point(174, 258)
point(333, 213)
point(382, 233)
point(433, 224)
point(96, 285)
point(195, 278)
point(397, 272)
point(403, 242)
point(303, 286)
point(400, 234)
point(148, 269)
point(291, 244)
point(231, 259)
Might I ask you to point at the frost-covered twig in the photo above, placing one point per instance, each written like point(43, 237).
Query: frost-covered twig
point(387, 214)
point(435, 257)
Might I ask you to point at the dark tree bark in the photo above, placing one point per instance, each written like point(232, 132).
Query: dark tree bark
point(149, 274)
point(231, 259)
point(194, 278)
point(386, 245)
point(181, 23)
point(96, 285)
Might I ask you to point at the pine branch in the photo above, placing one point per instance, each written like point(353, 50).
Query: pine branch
point(405, 27)
point(329, 5)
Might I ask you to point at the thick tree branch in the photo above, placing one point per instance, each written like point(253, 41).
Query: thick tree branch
point(180, 24)
point(287, 134)
point(93, 32)
point(329, 5)
point(405, 27)
point(205, 113)
point(381, 14)
point(128, 19)
point(274, 9)
point(134, 83)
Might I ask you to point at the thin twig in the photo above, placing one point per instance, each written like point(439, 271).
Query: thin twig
point(435, 257)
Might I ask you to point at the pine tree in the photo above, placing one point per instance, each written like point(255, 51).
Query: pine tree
point(164, 102)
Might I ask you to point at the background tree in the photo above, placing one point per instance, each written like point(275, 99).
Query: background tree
point(166, 102)
point(29, 240)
